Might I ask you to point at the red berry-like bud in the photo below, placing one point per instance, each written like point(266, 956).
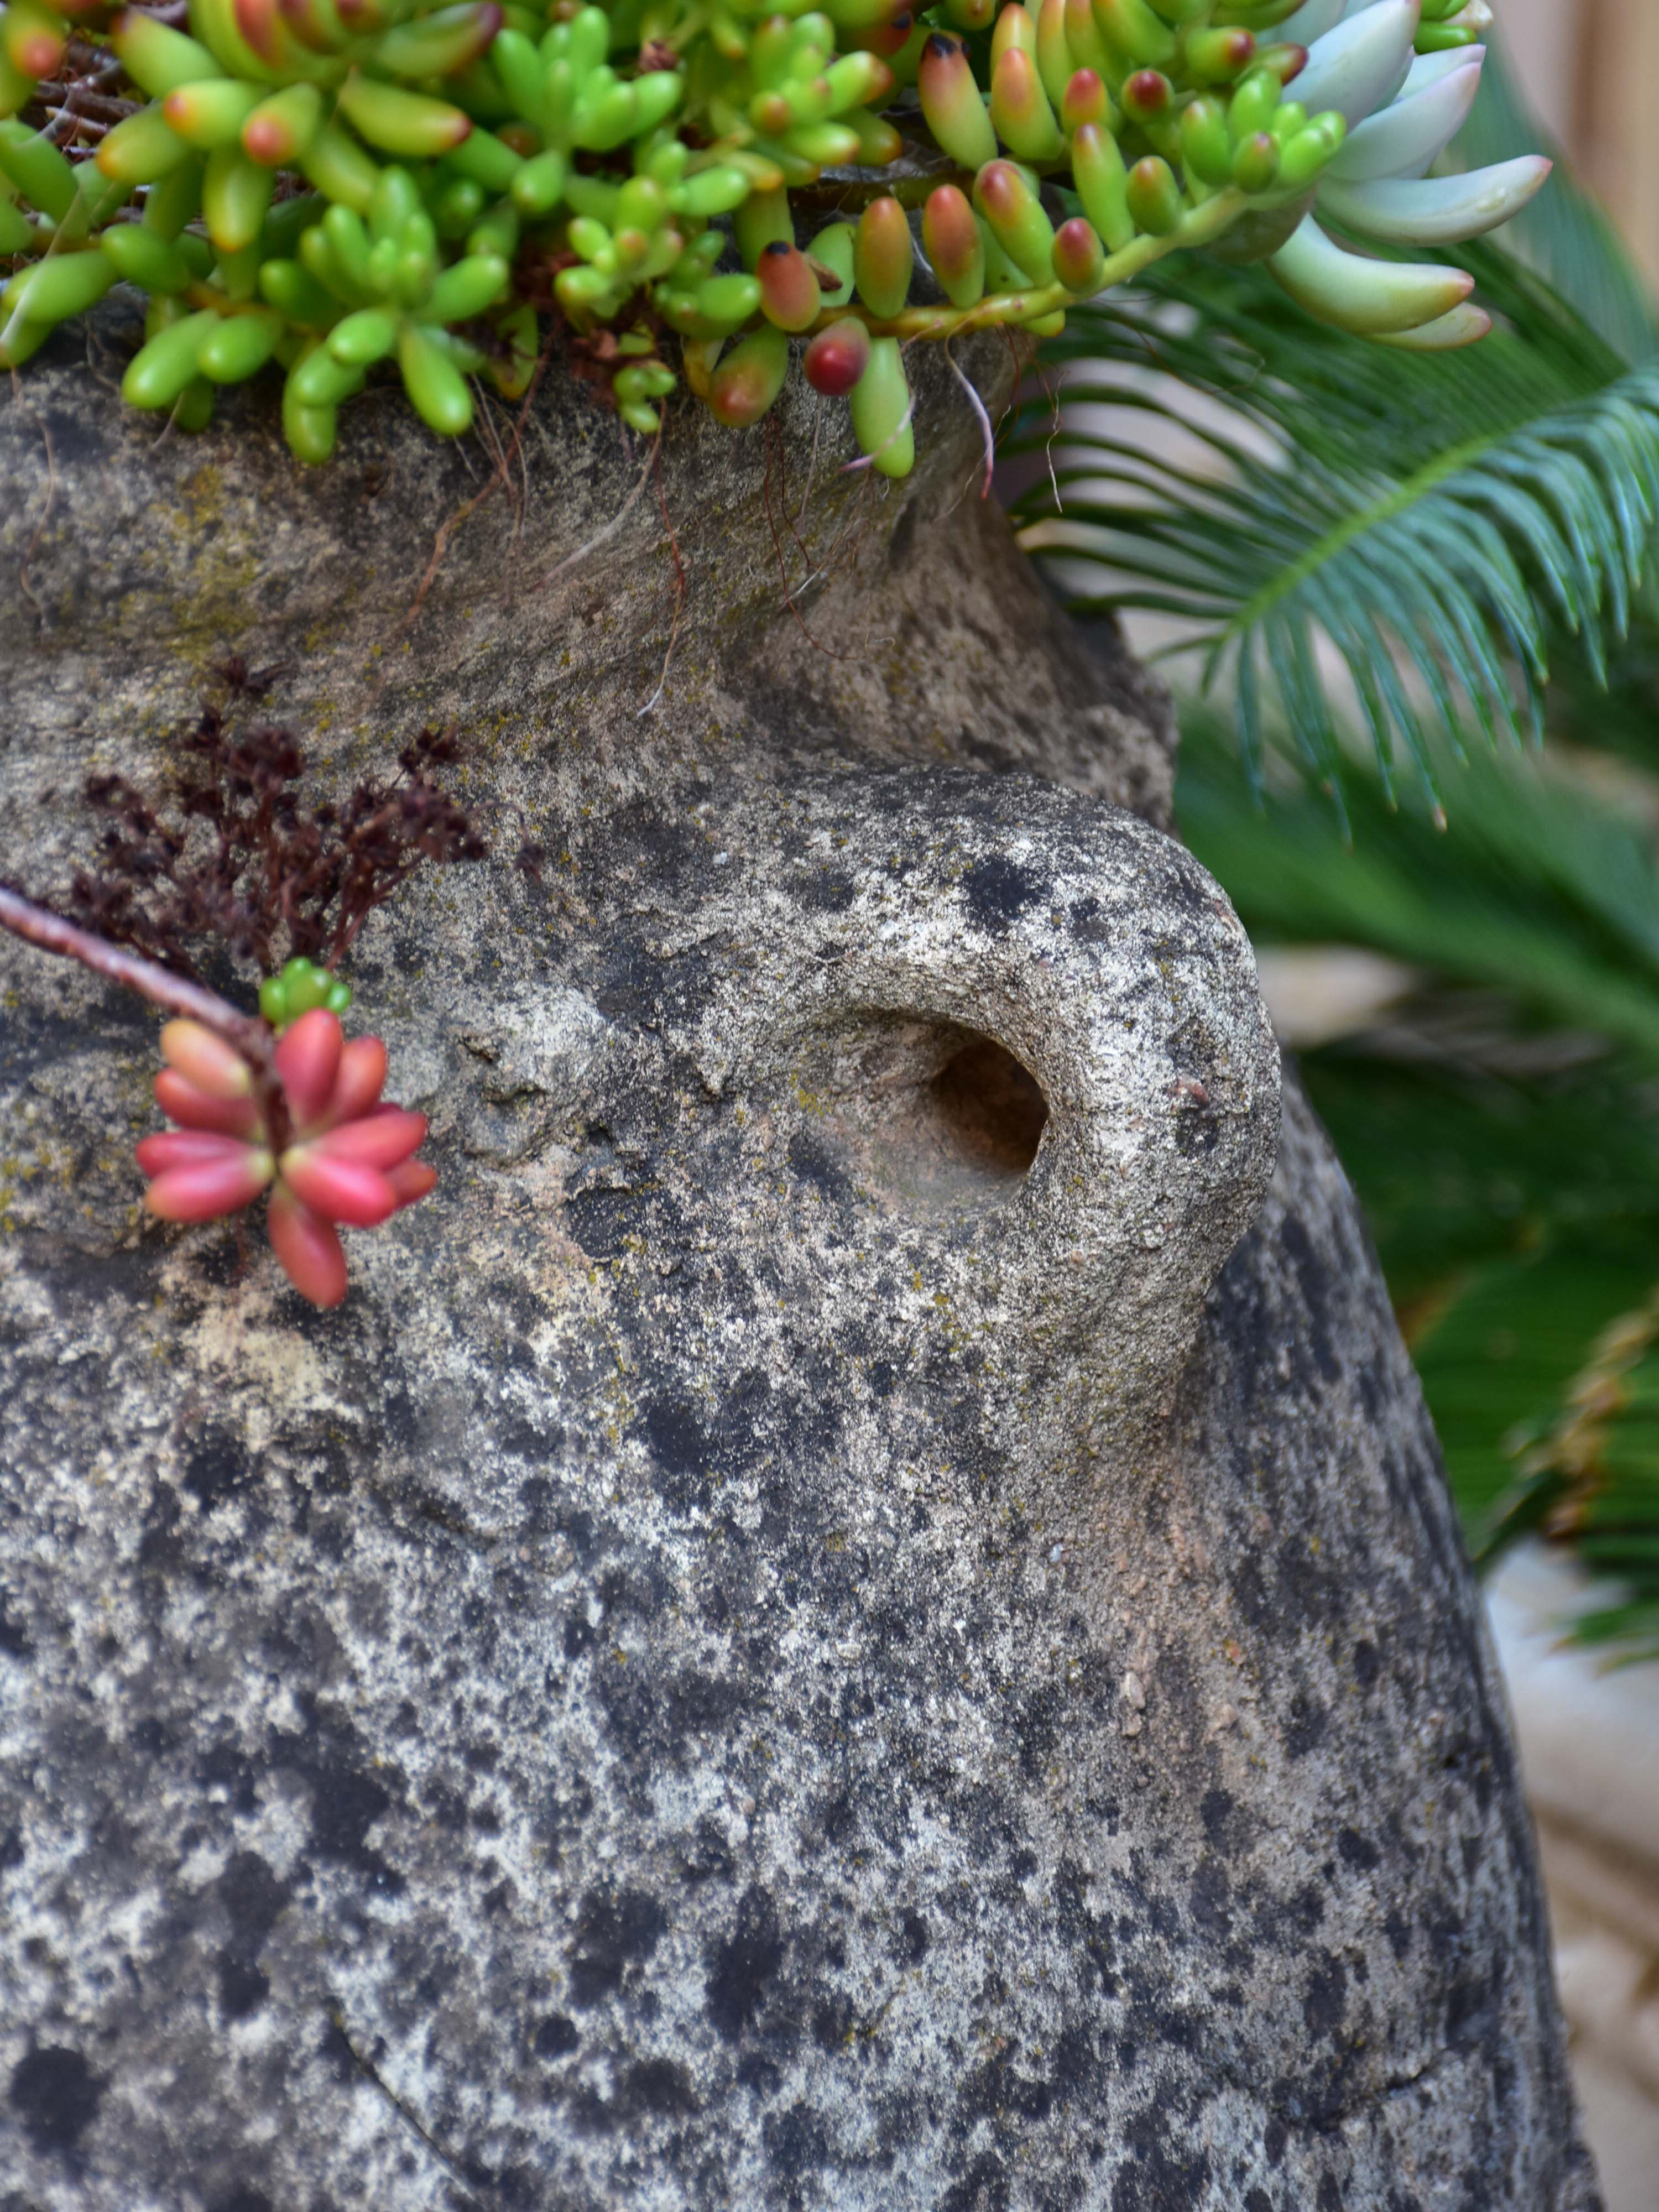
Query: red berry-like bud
point(951, 104)
point(1285, 60)
point(748, 379)
point(1256, 162)
point(837, 358)
point(769, 113)
point(1019, 107)
point(411, 1180)
point(38, 52)
point(882, 38)
point(1153, 196)
point(1218, 57)
point(1004, 197)
point(202, 1189)
point(1082, 40)
point(259, 23)
point(789, 290)
point(1015, 32)
point(1147, 95)
point(955, 244)
point(1085, 102)
point(1079, 257)
point(183, 1148)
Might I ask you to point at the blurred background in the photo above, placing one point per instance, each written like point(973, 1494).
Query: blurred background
point(1589, 70)
point(1407, 604)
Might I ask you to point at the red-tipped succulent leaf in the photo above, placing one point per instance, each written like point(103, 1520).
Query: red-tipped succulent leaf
point(308, 1248)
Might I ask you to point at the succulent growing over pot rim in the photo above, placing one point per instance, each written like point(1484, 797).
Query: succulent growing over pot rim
point(331, 185)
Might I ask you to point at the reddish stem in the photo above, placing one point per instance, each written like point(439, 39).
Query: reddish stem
point(252, 1038)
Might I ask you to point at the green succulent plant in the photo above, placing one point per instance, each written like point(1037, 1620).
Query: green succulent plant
point(331, 185)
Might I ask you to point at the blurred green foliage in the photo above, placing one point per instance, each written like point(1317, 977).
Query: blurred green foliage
point(1413, 626)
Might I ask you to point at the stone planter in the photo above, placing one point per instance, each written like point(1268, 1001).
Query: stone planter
point(817, 1630)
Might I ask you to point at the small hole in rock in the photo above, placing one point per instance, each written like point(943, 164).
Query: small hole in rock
point(990, 1108)
point(933, 1118)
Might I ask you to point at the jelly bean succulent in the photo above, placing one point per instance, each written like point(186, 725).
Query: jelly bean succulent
point(281, 1103)
point(312, 1129)
point(331, 186)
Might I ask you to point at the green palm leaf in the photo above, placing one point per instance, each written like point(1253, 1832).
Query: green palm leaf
point(1435, 518)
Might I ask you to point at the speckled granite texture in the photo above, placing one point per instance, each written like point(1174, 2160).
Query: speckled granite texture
point(785, 1649)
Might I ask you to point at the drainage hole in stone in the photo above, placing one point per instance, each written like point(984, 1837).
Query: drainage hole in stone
point(989, 1108)
point(933, 1118)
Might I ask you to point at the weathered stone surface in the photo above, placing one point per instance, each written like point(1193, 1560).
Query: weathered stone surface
point(794, 1643)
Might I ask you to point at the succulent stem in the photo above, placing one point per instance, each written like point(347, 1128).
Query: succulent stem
point(1196, 227)
point(39, 926)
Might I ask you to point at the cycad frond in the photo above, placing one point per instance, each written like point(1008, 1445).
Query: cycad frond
point(1539, 889)
point(1433, 516)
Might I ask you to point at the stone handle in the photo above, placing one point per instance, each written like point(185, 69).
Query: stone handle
point(1099, 954)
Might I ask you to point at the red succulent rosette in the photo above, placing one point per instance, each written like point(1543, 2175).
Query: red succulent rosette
point(344, 1158)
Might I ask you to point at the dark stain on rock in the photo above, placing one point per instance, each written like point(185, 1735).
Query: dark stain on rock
point(1304, 1724)
point(556, 2036)
point(253, 1898)
point(1359, 1851)
point(657, 2087)
point(810, 1159)
point(1325, 1998)
point(984, 2188)
point(216, 1468)
point(1159, 2179)
point(681, 1447)
point(345, 1801)
point(998, 892)
point(612, 1934)
point(15, 1639)
point(1218, 1811)
point(740, 1969)
point(56, 2095)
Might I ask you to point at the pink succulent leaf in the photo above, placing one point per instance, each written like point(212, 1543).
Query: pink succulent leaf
point(308, 1248)
point(340, 1190)
point(309, 1060)
point(357, 1085)
point(202, 1190)
point(411, 1180)
point(378, 1140)
point(204, 1060)
point(177, 1148)
point(181, 1102)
